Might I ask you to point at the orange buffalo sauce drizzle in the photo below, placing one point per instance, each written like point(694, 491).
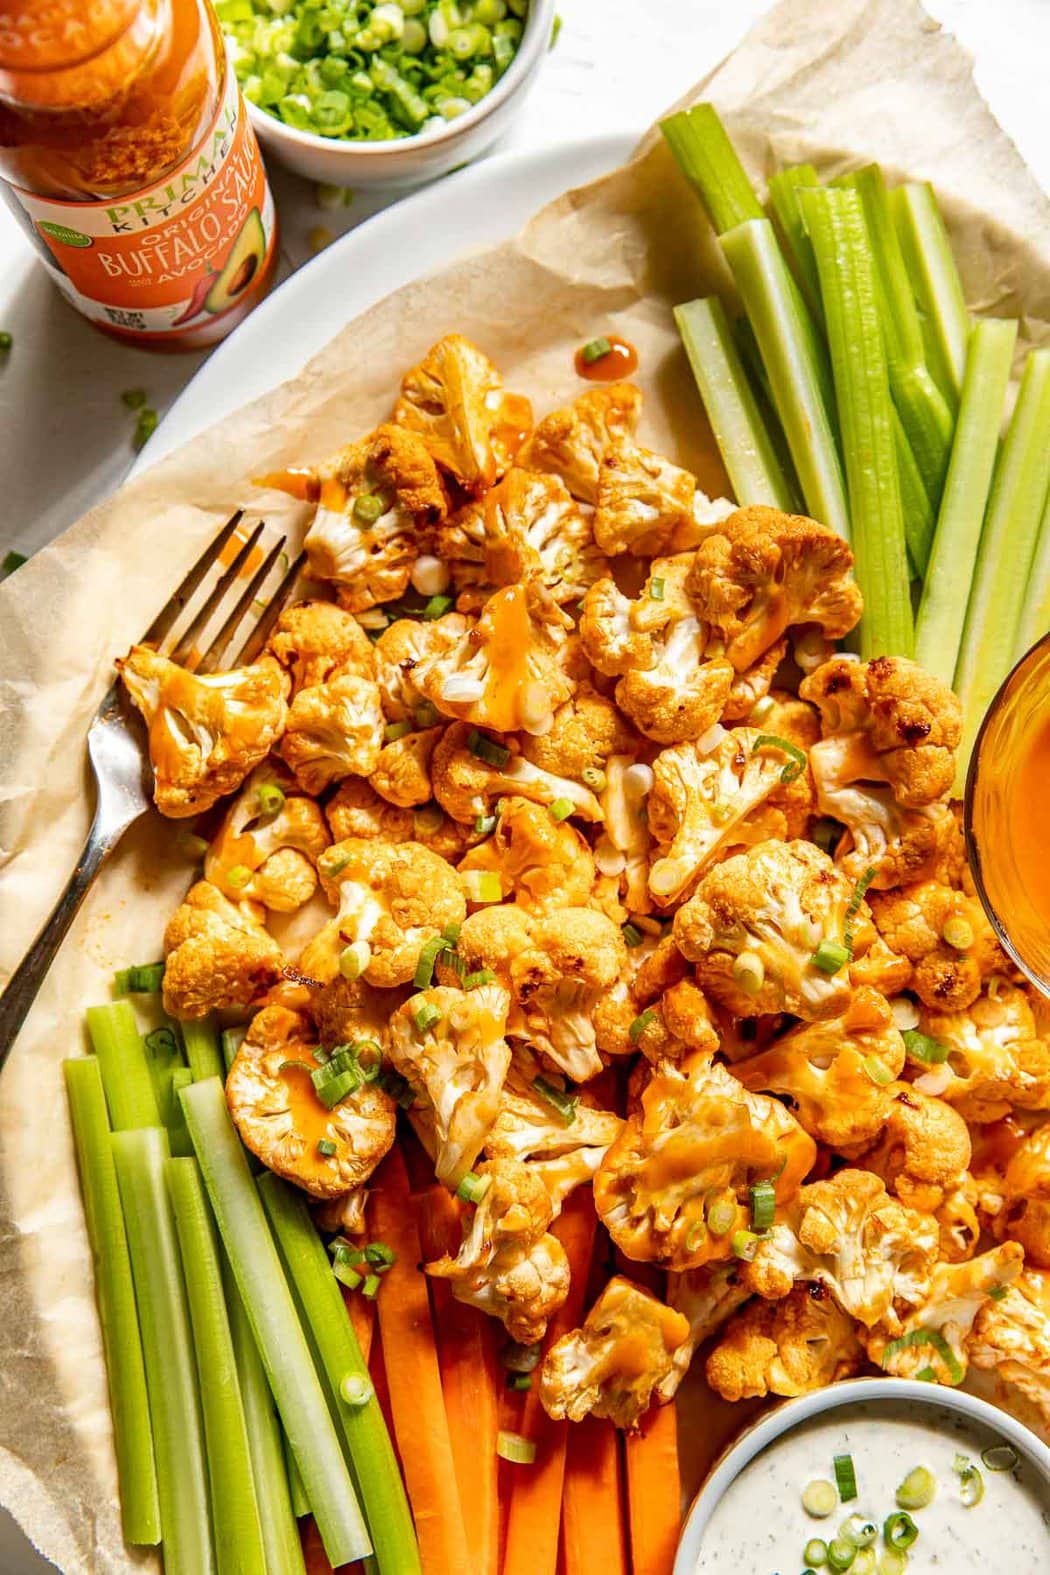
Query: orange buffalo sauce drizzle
point(299, 481)
point(1027, 816)
point(231, 548)
point(507, 635)
point(621, 361)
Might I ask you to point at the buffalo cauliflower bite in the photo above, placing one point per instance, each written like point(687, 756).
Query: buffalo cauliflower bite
point(268, 844)
point(695, 1142)
point(402, 770)
point(1025, 1214)
point(835, 1072)
point(654, 646)
point(391, 899)
point(676, 1028)
point(755, 924)
point(789, 1347)
point(571, 441)
point(763, 571)
point(379, 500)
point(585, 732)
point(707, 1298)
point(281, 1120)
point(647, 506)
point(334, 730)
point(575, 955)
point(205, 733)
point(357, 810)
point(701, 793)
point(491, 938)
point(466, 786)
point(455, 1063)
point(923, 1156)
point(1011, 1335)
point(934, 1335)
point(455, 401)
point(529, 1127)
point(613, 1364)
point(996, 1062)
point(914, 921)
point(850, 1236)
point(402, 645)
point(345, 1010)
point(506, 672)
point(539, 861)
point(312, 639)
point(217, 954)
point(622, 850)
point(509, 1265)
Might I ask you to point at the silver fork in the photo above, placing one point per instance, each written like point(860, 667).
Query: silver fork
point(116, 741)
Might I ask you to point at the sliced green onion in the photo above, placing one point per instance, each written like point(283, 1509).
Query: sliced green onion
point(797, 762)
point(239, 875)
point(513, 1447)
point(452, 932)
point(485, 825)
point(971, 1482)
point(853, 906)
point(845, 1477)
point(763, 1204)
point(743, 1244)
point(126, 1077)
point(519, 1381)
point(483, 886)
point(820, 1499)
point(708, 160)
point(428, 957)
point(656, 589)
point(935, 1340)
point(594, 778)
point(270, 798)
point(720, 1214)
point(379, 1256)
point(815, 1552)
point(396, 1087)
point(370, 1288)
point(325, 1148)
point(749, 973)
point(859, 1530)
point(395, 730)
point(190, 846)
point(934, 278)
point(354, 959)
point(640, 1024)
point(346, 1275)
point(356, 1390)
point(145, 426)
point(865, 1562)
point(142, 979)
point(899, 1531)
point(840, 1553)
point(892, 1562)
point(926, 1375)
point(958, 933)
point(487, 749)
point(632, 935)
point(595, 349)
point(332, 863)
point(878, 1071)
point(426, 1016)
point(518, 1358)
point(425, 715)
point(1000, 1457)
point(565, 1105)
point(916, 1492)
point(561, 809)
point(830, 957)
point(920, 1047)
point(367, 508)
point(437, 607)
point(474, 981)
point(134, 398)
point(473, 1188)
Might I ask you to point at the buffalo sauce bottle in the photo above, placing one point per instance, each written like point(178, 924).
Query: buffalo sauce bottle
point(132, 166)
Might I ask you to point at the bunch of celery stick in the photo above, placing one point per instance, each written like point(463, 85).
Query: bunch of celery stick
point(239, 1396)
point(857, 388)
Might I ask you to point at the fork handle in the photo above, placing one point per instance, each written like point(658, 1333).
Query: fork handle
point(27, 978)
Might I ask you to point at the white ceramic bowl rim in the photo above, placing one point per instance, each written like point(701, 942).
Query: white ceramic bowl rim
point(534, 40)
point(793, 1412)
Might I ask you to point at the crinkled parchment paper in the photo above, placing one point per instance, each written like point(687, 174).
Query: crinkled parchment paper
point(835, 81)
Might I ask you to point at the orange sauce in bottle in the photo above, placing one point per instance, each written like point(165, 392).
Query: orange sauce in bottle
point(131, 165)
point(1030, 830)
point(620, 361)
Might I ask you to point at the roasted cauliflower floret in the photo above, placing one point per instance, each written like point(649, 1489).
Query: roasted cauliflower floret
point(455, 1062)
point(850, 1236)
point(790, 1347)
point(649, 507)
point(509, 1265)
point(1012, 1336)
point(312, 639)
point(491, 938)
point(217, 954)
point(585, 731)
point(835, 1072)
point(530, 1127)
point(466, 785)
point(538, 860)
point(763, 571)
point(268, 845)
point(402, 770)
point(754, 927)
point(676, 1028)
point(655, 646)
point(281, 1119)
point(622, 850)
point(380, 499)
point(455, 400)
point(571, 441)
point(916, 921)
point(689, 1155)
point(934, 1335)
point(707, 1298)
point(347, 1010)
point(1025, 1215)
point(205, 733)
point(391, 899)
point(506, 672)
point(995, 1062)
point(334, 730)
point(575, 956)
point(356, 810)
point(611, 1366)
point(701, 794)
point(402, 645)
point(923, 1156)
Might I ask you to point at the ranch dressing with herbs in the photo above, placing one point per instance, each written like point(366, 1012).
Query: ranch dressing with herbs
point(760, 1527)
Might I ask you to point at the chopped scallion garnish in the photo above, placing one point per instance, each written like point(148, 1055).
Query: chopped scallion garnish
point(484, 825)
point(820, 1499)
point(395, 730)
point(270, 798)
point(520, 1381)
point(487, 749)
point(595, 349)
point(971, 1482)
point(1000, 1457)
point(845, 1477)
point(830, 957)
point(325, 1147)
point(428, 957)
point(656, 589)
point(853, 906)
point(640, 1024)
point(474, 981)
point(367, 508)
point(426, 1016)
point(763, 1204)
point(564, 1104)
point(594, 778)
point(899, 1531)
point(561, 809)
point(797, 762)
point(141, 979)
point(915, 1492)
point(511, 1446)
point(437, 607)
point(632, 935)
point(920, 1047)
point(473, 1188)
point(371, 1286)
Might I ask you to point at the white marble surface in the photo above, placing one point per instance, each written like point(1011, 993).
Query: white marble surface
point(65, 435)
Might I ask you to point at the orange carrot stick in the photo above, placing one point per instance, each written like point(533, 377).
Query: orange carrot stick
point(471, 1378)
point(414, 1379)
point(654, 1492)
point(592, 1524)
point(534, 1509)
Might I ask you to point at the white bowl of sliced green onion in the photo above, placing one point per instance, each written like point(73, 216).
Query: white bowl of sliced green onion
point(875, 1477)
point(383, 92)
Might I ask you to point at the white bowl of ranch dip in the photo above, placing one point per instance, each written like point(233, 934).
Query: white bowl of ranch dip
point(905, 1476)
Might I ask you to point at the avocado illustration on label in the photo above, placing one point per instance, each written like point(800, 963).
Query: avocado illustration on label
point(245, 258)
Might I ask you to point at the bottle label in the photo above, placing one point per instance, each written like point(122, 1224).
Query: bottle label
point(175, 256)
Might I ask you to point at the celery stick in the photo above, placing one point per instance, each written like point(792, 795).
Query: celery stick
point(115, 1295)
point(926, 416)
point(202, 1051)
point(794, 359)
point(271, 1310)
point(284, 1551)
point(1035, 616)
point(708, 160)
point(783, 200)
point(236, 1526)
point(915, 501)
point(171, 1375)
point(163, 1046)
point(1004, 559)
point(942, 612)
point(296, 1491)
point(835, 219)
point(126, 1076)
point(755, 372)
point(935, 280)
point(375, 1467)
point(741, 434)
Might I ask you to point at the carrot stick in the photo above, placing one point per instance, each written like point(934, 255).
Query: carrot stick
point(654, 1492)
point(471, 1378)
point(592, 1523)
point(534, 1509)
point(377, 1368)
point(314, 1556)
point(414, 1379)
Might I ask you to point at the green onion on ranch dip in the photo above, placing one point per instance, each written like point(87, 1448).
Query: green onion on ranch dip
point(877, 1488)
